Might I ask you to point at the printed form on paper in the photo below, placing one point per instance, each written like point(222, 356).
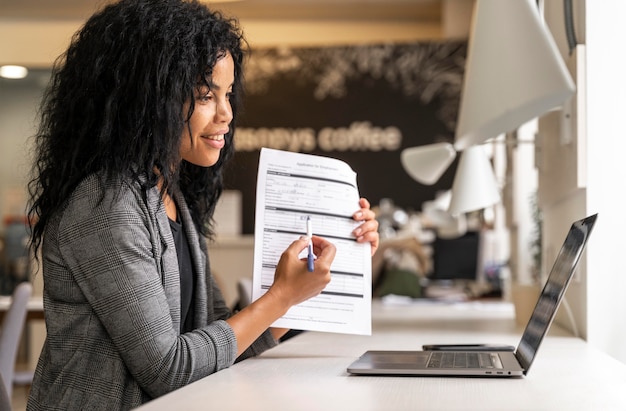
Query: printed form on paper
point(292, 187)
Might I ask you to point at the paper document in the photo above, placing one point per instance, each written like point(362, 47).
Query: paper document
point(294, 187)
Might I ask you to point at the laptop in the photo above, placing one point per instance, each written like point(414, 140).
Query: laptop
point(490, 363)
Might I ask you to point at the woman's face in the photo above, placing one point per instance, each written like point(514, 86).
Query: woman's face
point(211, 117)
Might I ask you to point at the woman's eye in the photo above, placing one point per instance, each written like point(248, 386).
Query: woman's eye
point(205, 97)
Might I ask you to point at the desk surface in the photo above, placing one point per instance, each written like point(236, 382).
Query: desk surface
point(308, 372)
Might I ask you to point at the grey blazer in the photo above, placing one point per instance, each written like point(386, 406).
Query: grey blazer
point(112, 305)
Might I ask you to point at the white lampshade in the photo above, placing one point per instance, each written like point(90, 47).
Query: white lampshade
point(427, 163)
point(475, 186)
point(514, 71)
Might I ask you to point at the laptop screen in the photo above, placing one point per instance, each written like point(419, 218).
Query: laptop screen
point(554, 289)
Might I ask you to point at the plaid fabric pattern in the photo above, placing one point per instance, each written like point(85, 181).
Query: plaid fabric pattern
point(112, 305)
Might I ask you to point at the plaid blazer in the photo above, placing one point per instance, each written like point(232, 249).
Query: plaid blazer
point(112, 304)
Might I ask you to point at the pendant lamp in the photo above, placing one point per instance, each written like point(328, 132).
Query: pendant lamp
point(475, 186)
point(513, 73)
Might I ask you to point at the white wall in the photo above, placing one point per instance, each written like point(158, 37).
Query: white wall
point(606, 174)
point(586, 175)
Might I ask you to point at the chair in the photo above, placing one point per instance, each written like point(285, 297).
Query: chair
point(10, 335)
point(15, 255)
point(244, 290)
point(5, 400)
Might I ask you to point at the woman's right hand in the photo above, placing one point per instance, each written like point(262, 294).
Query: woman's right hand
point(293, 283)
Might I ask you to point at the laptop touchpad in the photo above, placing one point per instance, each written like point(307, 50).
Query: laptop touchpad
point(412, 359)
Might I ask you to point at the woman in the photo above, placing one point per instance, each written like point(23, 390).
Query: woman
point(137, 125)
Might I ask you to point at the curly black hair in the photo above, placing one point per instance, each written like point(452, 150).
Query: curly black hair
point(114, 104)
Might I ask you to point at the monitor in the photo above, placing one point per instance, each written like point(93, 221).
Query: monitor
point(456, 258)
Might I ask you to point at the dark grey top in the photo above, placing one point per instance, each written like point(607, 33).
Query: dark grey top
point(112, 304)
point(185, 267)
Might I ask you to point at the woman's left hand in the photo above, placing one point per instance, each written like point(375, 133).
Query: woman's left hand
point(367, 232)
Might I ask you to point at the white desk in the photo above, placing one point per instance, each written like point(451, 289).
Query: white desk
point(308, 372)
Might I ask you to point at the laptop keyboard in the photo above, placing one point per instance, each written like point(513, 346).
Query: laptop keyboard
point(460, 360)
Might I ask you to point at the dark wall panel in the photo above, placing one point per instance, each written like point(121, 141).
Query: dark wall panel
point(361, 104)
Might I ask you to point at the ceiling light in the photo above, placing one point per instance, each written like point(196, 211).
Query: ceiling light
point(13, 72)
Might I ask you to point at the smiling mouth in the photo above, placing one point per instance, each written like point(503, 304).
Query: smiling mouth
point(216, 138)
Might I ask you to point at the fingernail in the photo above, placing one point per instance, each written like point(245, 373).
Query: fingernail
point(357, 232)
point(358, 215)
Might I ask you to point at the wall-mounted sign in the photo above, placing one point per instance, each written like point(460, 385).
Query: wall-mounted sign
point(361, 104)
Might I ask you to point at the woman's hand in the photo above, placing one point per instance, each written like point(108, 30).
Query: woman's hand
point(368, 231)
point(293, 283)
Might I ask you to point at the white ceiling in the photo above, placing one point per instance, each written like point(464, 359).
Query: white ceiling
point(417, 10)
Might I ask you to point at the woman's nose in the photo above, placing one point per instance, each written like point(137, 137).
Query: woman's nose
point(224, 111)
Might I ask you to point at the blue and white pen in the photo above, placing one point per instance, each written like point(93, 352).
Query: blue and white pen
point(309, 233)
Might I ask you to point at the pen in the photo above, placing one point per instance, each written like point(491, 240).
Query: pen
point(309, 233)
